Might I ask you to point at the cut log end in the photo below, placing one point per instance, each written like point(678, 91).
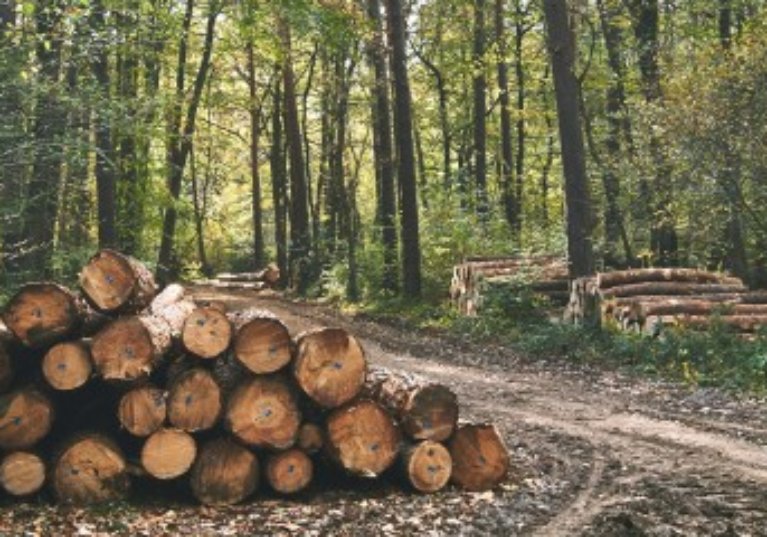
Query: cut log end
point(194, 401)
point(26, 417)
point(225, 473)
point(310, 438)
point(263, 345)
point(67, 366)
point(289, 472)
point(22, 473)
point(123, 350)
point(363, 438)
point(111, 281)
point(91, 469)
point(41, 314)
point(168, 453)
point(263, 412)
point(480, 458)
point(428, 466)
point(142, 410)
point(431, 413)
point(206, 333)
point(330, 367)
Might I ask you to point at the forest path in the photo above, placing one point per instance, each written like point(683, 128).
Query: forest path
point(595, 452)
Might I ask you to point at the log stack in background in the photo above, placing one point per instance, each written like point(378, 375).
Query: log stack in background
point(546, 276)
point(121, 382)
point(650, 300)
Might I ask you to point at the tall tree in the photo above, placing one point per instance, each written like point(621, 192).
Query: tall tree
point(279, 179)
point(403, 136)
point(382, 148)
point(254, 110)
point(479, 85)
point(510, 205)
point(561, 45)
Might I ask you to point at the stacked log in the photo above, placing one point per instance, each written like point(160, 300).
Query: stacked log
point(159, 387)
point(266, 278)
point(546, 276)
point(650, 300)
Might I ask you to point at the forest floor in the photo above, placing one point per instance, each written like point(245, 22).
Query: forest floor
point(594, 452)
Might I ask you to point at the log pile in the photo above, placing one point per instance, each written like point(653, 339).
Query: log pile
point(649, 300)
point(120, 382)
point(546, 276)
point(266, 278)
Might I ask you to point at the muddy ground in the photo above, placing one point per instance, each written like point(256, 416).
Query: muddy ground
point(595, 453)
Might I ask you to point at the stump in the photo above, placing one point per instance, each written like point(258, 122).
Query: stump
point(310, 438)
point(168, 453)
point(224, 473)
point(290, 471)
point(90, 469)
point(194, 401)
point(67, 366)
point(26, 417)
point(329, 367)
point(22, 473)
point(427, 466)
point(117, 282)
point(263, 412)
point(41, 314)
point(480, 458)
point(142, 410)
point(362, 438)
point(262, 343)
point(206, 333)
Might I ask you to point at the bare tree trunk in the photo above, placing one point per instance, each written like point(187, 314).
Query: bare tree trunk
point(521, 127)
point(480, 98)
point(403, 135)
point(562, 50)
point(279, 188)
point(511, 208)
point(254, 108)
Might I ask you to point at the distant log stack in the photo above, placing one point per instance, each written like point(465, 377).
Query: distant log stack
point(266, 278)
point(651, 300)
point(124, 382)
point(545, 276)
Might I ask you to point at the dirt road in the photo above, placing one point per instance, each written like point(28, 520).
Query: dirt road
point(594, 453)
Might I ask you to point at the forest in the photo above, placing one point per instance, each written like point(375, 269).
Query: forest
point(367, 146)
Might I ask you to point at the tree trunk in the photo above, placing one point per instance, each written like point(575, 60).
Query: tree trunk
point(480, 458)
point(519, 70)
point(279, 178)
point(510, 205)
point(259, 257)
point(115, 282)
point(480, 98)
point(403, 134)
point(577, 194)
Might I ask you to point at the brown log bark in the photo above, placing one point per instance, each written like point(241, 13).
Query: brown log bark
point(329, 366)
point(310, 439)
point(262, 342)
point(207, 332)
point(263, 412)
point(116, 282)
point(26, 417)
point(224, 473)
point(168, 453)
point(653, 324)
point(425, 411)
point(194, 400)
point(142, 410)
point(427, 466)
point(68, 366)
point(90, 469)
point(670, 288)
point(694, 306)
point(22, 473)
point(290, 471)
point(480, 458)
point(6, 367)
point(606, 280)
point(362, 438)
point(41, 314)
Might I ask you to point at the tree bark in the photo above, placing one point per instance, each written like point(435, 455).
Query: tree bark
point(479, 86)
point(254, 109)
point(279, 188)
point(510, 205)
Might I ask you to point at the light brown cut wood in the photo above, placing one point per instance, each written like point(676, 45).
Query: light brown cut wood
point(310, 438)
point(330, 366)
point(290, 471)
point(116, 282)
point(90, 469)
point(263, 412)
point(426, 411)
point(428, 466)
point(194, 401)
point(142, 410)
point(670, 288)
point(22, 473)
point(40, 314)
point(168, 453)
point(206, 333)
point(606, 280)
point(224, 473)
point(362, 438)
point(480, 458)
point(68, 366)
point(26, 417)
point(262, 342)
